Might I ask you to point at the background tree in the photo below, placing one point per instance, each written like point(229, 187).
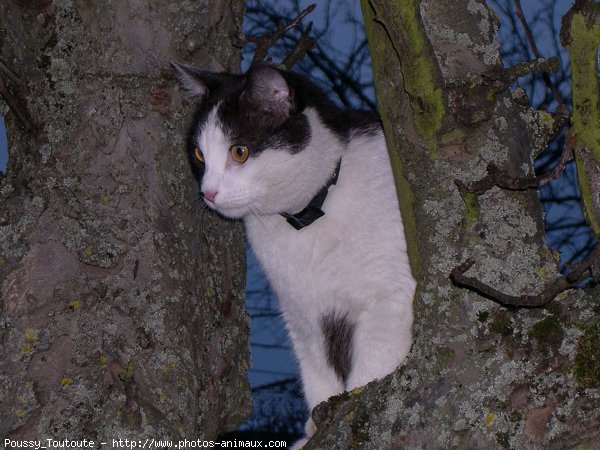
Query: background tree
point(481, 374)
point(121, 310)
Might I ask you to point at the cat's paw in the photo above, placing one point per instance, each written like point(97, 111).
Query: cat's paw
point(310, 427)
point(309, 430)
point(299, 444)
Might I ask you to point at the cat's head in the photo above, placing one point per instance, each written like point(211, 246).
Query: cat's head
point(249, 141)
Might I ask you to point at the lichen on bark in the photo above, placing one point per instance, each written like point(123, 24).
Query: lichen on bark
point(479, 375)
point(122, 312)
point(587, 360)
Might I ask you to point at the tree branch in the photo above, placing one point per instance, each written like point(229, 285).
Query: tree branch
point(578, 272)
point(265, 41)
point(536, 52)
point(304, 44)
point(521, 69)
point(11, 100)
point(500, 178)
point(276, 384)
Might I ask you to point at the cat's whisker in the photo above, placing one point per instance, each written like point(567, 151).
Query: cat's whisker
point(259, 206)
point(257, 213)
point(199, 209)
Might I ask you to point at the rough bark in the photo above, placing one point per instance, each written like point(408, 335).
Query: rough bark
point(479, 375)
point(580, 33)
point(121, 302)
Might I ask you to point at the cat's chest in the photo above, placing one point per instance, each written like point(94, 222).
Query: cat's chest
point(285, 251)
point(299, 263)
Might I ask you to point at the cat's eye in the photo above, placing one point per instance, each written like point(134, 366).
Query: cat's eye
point(239, 153)
point(199, 155)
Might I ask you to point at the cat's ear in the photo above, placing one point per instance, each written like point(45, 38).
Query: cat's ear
point(192, 81)
point(199, 84)
point(267, 91)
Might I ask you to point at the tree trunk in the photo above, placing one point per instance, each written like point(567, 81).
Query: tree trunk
point(122, 303)
point(480, 375)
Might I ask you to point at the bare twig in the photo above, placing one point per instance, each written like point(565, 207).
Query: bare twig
point(265, 41)
point(12, 76)
point(498, 177)
point(11, 100)
point(341, 71)
point(280, 383)
point(578, 273)
point(536, 52)
point(500, 79)
point(304, 44)
point(340, 79)
point(521, 69)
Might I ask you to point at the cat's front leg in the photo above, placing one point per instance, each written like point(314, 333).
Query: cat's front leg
point(382, 339)
point(319, 380)
point(312, 390)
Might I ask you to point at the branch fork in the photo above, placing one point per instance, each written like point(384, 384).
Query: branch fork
point(590, 266)
point(265, 41)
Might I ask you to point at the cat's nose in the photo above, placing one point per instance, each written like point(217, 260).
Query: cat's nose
point(210, 196)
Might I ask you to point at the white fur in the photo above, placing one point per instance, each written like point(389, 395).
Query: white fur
point(352, 260)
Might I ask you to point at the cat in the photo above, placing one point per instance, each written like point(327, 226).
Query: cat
point(314, 187)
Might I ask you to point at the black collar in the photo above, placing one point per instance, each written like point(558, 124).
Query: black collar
point(313, 210)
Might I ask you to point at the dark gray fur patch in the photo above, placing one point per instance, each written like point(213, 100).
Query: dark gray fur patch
point(254, 128)
point(337, 333)
point(250, 126)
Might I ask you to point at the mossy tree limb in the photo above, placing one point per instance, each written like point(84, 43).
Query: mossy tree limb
point(581, 34)
point(398, 22)
point(415, 58)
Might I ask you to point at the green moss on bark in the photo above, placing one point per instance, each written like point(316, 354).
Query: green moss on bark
point(548, 332)
point(584, 41)
point(419, 69)
point(472, 209)
point(587, 359)
point(415, 60)
point(405, 200)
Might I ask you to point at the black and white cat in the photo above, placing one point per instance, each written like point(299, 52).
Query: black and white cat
point(269, 145)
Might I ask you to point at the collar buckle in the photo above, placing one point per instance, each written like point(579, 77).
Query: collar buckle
point(313, 210)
